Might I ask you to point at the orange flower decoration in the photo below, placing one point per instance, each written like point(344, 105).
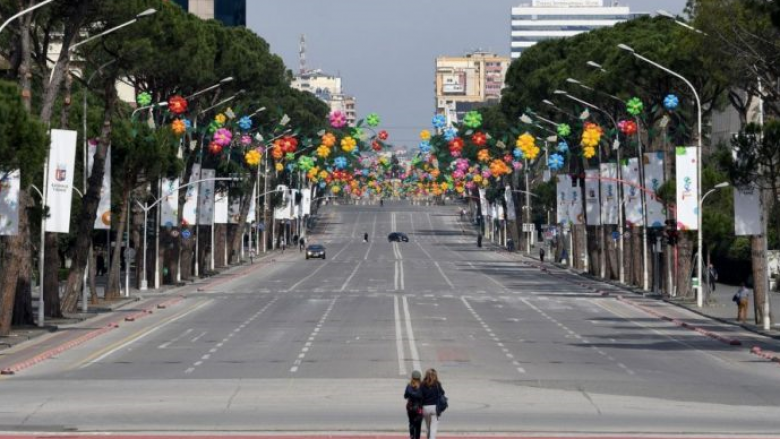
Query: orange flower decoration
point(178, 127)
point(483, 155)
point(277, 153)
point(329, 140)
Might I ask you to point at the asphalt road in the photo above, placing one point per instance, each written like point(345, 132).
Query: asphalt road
point(324, 346)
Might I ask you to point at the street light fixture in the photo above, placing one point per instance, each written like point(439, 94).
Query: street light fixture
point(699, 258)
point(596, 65)
point(221, 82)
point(667, 14)
point(143, 14)
point(23, 12)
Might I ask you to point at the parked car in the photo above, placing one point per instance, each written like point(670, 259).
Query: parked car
point(315, 251)
point(397, 237)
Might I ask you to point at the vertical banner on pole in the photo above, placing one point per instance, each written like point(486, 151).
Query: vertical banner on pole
point(609, 193)
point(631, 192)
point(170, 203)
point(687, 189)
point(206, 198)
point(306, 201)
point(191, 199)
point(234, 212)
point(103, 219)
point(285, 211)
point(251, 217)
point(9, 202)
point(221, 207)
point(576, 213)
point(747, 210)
point(511, 214)
point(592, 197)
point(483, 202)
point(294, 207)
point(563, 199)
point(59, 192)
point(654, 178)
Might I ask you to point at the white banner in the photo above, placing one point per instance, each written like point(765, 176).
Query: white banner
point(206, 198)
point(569, 199)
point(631, 192)
point(189, 216)
point(687, 189)
point(306, 201)
point(609, 193)
point(170, 203)
point(59, 190)
point(747, 211)
point(576, 212)
point(483, 204)
point(500, 211)
point(592, 197)
point(103, 218)
point(511, 214)
point(296, 208)
point(9, 202)
point(235, 210)
point(251, 216)
point(285, 211)
point(654, 178)
point(221, 207)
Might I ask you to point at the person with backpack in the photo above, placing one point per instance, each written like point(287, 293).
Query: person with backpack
point(433, 401)
point(741, 297)
point(414, 407)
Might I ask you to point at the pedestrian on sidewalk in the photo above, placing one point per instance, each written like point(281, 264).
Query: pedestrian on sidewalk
point(741, 297)
point(100, 264)
point(414, 407)
point(432, 393)
point(301, 244)
point(541, 254)
point(712, 276)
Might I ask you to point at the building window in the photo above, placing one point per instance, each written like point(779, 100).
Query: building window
point(230, 12)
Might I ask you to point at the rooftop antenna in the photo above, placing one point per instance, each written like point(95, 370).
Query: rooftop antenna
point(302, 55)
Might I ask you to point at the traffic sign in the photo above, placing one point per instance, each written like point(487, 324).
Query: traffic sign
point(186, 234)
point(615, 235)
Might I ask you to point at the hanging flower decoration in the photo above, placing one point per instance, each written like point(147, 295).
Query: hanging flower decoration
point(246, 140)
point(517, 166)
point(425, 147)
point(215, 148)
point(357, 133)
point(479, 138)
point(439, 121)
point(563, 147)
point(245, 123)
point(177, 104)
point(527, 144)
point(483, 155)
point(588, 152)
point(627, 127)
point(279, 167)
point(555, 162)
point(348, 144)
point(252, 157)
point(340, 162)
point(564, 130)
point(425, 135)
point(323, 151)
point(373, 120)
point(635, 106)
point(220, 119)
point(178, 127)
point(591, 136)
point(671, 102)
point(338, 119)
point(305, 163)
point(277, 153)
point(223, 137)
point(376, 146)
point(328, 140)
point(450, 134)
point(518, 153)
point(473, 119)
point(287, 144)
point(383, 135)
point(144, 99)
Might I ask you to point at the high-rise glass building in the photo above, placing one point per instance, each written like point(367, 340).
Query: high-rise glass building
point(548, 19)
point(229, 12)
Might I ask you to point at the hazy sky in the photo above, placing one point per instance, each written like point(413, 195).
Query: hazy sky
point(385, 50)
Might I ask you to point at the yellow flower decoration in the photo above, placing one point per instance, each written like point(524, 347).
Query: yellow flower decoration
point(329, 140)
point(323, 175)
point(477, 178)
point(323, 151)
point(527, 144)
point(220, 119)
point(348, 144)
point(252, 157)
point(312, 174)
point(444, 186)
point(335, 189)
point(588, 152)
point(591, 137)
point(425, 135)
point(279, 167)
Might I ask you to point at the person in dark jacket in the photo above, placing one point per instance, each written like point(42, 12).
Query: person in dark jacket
point(414, 410)
point(431, 390)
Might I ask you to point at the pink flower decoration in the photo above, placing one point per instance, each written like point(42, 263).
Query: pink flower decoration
point(470, 185)
point(458, 174)
point(517, 165)
point(223, 137)
point(260, 149)
point(338, 119)
point(246, 140)
point(486, 173)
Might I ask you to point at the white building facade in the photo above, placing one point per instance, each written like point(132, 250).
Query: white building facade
point(550, 19)
point(328, 89)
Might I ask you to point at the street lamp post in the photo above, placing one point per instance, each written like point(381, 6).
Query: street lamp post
point(699, 234)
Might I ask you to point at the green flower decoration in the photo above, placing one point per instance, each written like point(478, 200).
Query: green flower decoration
point(290, 156)
point(472, 120)
point(357, 133)
point(373, 120)
point(144, 99)
point(213, 127)
point(564, 130)
point(635, 106)
point(305, 163)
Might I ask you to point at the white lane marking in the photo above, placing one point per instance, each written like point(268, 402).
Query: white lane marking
point(294, 286)
point(146, 334)
point(410, 336)
point(357, 223)
point(198, 337)
point(446, 279)
point(297, 363)
point(168, 343)
point(492, 335)
point(401, 275)
point(392, 222)
point(435, 236)
point(395, 279)
point(373, 238)
point(357, 267)
point(399, 344)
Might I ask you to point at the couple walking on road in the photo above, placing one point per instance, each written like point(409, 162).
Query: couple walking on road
point(424, 400)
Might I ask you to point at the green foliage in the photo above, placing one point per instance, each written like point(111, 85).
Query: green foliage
point(23, 139)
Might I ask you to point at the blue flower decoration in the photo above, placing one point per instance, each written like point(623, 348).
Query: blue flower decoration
point(291, 167)
point(425, 147)
point(245, 123)
point(365, 172)
point(340, 162)
point(322, 185)
point(439, 121)
point(518, 153)
point(450, 134)
point(555, 162)
point(563, 147)
point(671, 102)
point(187, 124)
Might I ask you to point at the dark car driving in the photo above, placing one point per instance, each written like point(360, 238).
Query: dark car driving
point(315, 251)
point(397, 237)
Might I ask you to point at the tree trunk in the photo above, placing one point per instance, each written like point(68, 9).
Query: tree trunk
point(684, 265)
point(51, 276)
point(235, 246)
point(89, 206)
point(112, 287)
point(16, 249)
